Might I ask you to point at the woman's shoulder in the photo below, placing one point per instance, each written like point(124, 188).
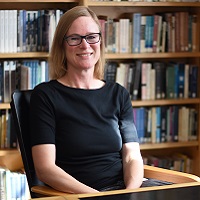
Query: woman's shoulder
point(115, 87)
point(45, 87)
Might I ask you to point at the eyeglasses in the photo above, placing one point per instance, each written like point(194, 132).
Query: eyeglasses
point(74, 40)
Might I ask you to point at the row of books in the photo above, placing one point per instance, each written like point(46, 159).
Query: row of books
point(13, 185)
point(155, 80)
point(178, 162)
point(22, 75)
point(27, 31)
point(8, 137)
point(165, 124)
point(141, 33)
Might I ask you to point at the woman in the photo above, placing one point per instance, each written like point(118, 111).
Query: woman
point(82, 131)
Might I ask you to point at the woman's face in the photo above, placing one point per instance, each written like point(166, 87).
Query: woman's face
point(83, 56)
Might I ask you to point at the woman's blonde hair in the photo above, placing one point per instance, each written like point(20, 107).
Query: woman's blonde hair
point(57, 58)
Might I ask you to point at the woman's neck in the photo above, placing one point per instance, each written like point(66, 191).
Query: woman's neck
point(81, 82)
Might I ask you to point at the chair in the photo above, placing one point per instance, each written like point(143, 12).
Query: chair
point(20, 111)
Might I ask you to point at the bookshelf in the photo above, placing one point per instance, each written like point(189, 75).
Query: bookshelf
point(114, 10)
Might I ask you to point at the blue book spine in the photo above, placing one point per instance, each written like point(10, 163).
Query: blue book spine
point(147, 33)
point(158, 124)
point(142, 124)
point(136, 32)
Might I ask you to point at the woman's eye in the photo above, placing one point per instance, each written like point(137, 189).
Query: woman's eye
point(74, 38)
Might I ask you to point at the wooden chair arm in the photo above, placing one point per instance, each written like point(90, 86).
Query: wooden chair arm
point(169, 175)
point(42, 190)
point(149, 172)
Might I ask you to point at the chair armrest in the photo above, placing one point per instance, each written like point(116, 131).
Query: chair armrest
point(42, 190)
point(149, 172)
point(169, 175)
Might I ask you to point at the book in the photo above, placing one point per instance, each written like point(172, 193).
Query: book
point(149, 126)
point(152, 83)
point(52, 26)
point(170, 81)
point(192, 124)
point(149, 33)
point(193, 81)
point(144, 81)
point(12, 77)
point(6, 81)
point(110, 71)
point(175, 123)
point(2, 31)
point(164, 38)
point(122, 74)
point(2, 184)
point(3, 127)
point(19, 30)
point(133, 67)
point(170, 124)
point(194, 33)
point(1, 83)
point(190, 33)
point(177, 31)
point(137, 79)
point(163, 118)
point(142, 34)
point(168, 17)
point(140, 123)
point(159, 80)
point(158, 124)
point(124, 35)
point(129, 86)
point(109, 35)
point(155, 32)
point(159, 34)
point(45, 32)
point(183, 124)
point(186, 81)
point(136, 32)
point(153, 124)
point(116, 36)
point(40, 24)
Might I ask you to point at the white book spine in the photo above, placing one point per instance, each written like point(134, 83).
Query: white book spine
point(6, 34)
point(2, 28)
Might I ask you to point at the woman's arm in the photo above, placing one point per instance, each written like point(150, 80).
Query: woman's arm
point(49, 173)
point(132, 165)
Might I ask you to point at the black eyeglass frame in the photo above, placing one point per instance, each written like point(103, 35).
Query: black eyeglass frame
point(82, 37)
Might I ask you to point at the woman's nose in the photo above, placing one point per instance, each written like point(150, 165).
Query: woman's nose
point(84, 43)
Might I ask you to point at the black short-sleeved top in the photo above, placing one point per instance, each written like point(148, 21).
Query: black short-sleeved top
point(87, 127)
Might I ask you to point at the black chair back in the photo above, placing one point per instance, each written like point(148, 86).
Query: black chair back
point(20, 103)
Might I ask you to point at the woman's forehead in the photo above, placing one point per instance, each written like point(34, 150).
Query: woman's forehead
point(83, 25)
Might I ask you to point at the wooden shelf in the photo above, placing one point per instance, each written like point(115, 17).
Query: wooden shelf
point(24, 55)
point(109, 56)
point(38, 4)
point(162, 102)
point(143, 4)
point(168, 145)
point(4, 106)
point(38, 1)
point(152, 55)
